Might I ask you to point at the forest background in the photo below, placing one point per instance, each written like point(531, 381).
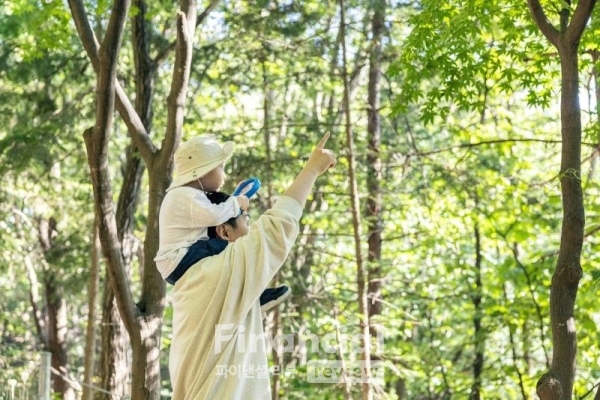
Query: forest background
point(464, 168)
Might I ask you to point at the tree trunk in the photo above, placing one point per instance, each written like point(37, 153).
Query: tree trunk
point(374, 177)
point(90, 335)
point(513, 347)
point(335, 107)
point(55, 315)
point(479, 333)
point(401, 389)
point(57, 334)
point(115, 358)
point(367, 393)
point(374, 172)
point(596, 72)
point(114, 364)
point(558, 382)
point(276, 329)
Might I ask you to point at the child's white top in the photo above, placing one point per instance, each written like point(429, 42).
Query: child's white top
point(185, 215)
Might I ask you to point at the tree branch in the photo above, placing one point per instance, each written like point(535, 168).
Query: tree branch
point(177, 95)
point(596, 386)
point(537, 12)
point(126, 110)
point(199, 20)
point(204, 14)
point(578, 22)
point(481, 143)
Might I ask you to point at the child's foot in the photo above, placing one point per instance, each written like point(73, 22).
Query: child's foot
point(273, 296)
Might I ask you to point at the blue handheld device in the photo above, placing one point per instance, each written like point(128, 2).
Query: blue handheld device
point(248, 188)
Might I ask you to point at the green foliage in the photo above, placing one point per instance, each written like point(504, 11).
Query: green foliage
point(460, 55)
point(32, 31)
point(469, 143)
point(42, 111)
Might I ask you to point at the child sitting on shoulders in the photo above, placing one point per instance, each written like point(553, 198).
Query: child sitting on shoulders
point(186, 213)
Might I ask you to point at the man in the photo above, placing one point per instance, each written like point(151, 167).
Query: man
point(217, 319)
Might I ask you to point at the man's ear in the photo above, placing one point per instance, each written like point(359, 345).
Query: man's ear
point(221, 231)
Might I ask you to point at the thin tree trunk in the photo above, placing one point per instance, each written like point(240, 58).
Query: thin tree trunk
point(115, 370)
point(479, 334)
point(596, 58)
point(527, 358)
point(558, 382)
point(115, 358)
point(540, 324)
point(276, 328)
point(57, 331)
point(335, 108)
point(401, 389)
point(367, 393)
point(56, 314)
point(90, 334)
point(374, 168)
point(596, 151)
point(513, 348)
point(338, 334)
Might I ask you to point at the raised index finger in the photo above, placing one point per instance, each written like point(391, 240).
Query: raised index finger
point(323, 141)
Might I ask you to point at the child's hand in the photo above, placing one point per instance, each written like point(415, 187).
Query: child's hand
point(243, 202)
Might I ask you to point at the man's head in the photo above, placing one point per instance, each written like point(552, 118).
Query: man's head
point(201, 157)
point(234, 228)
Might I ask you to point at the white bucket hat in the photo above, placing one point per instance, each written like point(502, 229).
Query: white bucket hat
point(197, 157)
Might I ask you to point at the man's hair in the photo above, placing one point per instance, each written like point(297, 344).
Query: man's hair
point(218, 198)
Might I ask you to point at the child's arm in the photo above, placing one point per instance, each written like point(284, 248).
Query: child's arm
point(204, 213)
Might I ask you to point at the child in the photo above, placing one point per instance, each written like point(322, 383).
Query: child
point(186, 213)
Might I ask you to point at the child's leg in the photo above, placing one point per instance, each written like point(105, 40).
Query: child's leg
point(273, 296)
point(199, 250)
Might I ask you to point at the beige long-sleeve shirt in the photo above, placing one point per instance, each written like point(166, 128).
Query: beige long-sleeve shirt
point(216, 350)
